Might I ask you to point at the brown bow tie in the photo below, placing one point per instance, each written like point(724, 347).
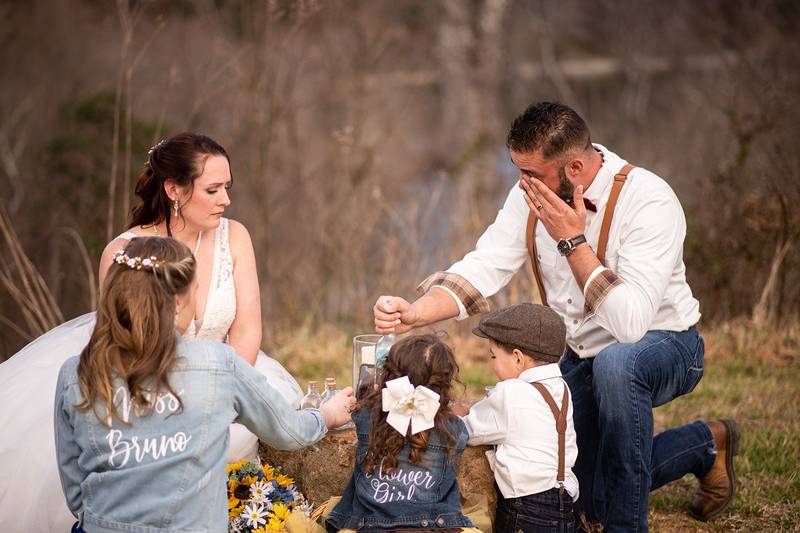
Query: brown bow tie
point(589, 205)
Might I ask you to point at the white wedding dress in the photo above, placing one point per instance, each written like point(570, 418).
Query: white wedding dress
point(31, 499)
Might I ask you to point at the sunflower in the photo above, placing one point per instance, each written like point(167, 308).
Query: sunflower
point(238, 490)
point(274, 525)
point(234, 507)
point(281, 511)
point(284, 481)
point(269, 472)
point(234, 466)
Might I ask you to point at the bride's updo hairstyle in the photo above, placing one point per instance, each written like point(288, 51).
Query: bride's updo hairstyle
point(181, 158)
point(134, 338)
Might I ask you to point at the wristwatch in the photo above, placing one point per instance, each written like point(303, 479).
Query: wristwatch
point(566, 246)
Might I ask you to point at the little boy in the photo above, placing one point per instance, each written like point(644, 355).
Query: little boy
point(528, 417)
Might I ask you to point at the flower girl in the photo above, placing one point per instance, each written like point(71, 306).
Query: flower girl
point(141, 417)
point(408, 445)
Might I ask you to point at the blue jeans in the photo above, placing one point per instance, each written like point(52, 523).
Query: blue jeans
point(546, 512)
point(619, 459)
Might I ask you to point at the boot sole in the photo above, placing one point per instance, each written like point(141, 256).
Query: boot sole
point(732, 447)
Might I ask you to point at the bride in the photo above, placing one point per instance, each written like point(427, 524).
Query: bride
point(183, 192)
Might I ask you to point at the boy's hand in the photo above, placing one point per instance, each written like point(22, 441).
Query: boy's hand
point(337, 410)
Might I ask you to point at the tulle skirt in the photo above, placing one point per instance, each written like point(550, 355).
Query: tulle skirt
point(31, 498)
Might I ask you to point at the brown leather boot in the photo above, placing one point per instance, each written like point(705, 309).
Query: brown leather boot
point(718, 487)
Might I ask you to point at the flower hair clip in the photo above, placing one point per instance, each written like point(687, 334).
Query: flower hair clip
point(408, 405)
point(137, 263)
point(154, 148)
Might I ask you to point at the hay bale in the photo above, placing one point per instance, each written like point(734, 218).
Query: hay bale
point(322, 471)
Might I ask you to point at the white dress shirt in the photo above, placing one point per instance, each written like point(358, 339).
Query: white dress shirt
point(516, 418)
point(643, 287)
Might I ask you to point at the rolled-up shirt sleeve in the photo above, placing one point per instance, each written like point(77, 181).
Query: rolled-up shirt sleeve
point(625, 301)
point(499, 253)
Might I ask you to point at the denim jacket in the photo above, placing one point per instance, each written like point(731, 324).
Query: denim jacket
point(414, 496)
point(165, 471)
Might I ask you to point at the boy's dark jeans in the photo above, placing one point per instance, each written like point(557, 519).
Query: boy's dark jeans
point(546, 512)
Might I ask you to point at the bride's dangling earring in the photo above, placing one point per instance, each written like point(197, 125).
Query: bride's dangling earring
point(176, 206)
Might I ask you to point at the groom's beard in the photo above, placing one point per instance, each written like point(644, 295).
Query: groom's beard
point(565, 187)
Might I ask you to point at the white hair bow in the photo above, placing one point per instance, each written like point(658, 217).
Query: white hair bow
point(407, 405)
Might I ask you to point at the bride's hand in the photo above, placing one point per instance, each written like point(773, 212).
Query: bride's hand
point(337, 410)
point(393, 315)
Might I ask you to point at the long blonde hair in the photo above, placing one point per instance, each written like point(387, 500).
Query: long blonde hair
point(134, 339)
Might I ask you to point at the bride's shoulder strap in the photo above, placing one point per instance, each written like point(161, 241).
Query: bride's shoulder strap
point(222, 234)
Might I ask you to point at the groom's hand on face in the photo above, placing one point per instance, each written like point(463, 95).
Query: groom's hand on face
point(393, 315)
point(561, 220)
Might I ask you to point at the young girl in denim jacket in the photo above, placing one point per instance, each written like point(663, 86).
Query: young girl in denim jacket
point(409, 443)
point(142, 417)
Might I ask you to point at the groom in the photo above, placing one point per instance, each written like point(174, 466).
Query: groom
point(606, 242)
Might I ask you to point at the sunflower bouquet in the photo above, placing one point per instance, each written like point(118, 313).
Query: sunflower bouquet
point(260, 498)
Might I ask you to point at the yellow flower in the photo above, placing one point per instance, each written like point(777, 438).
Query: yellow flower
point(249, 480)
point(281, 511)
point(284, 481)
point(261, 529)
point(274, 525)
point(234, 466)
point(234, 507)
point(238, 490)
point(269, 472)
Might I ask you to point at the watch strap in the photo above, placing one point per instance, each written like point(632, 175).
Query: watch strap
point(575, 241)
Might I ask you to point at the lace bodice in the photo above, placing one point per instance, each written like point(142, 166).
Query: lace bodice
point(220, 309)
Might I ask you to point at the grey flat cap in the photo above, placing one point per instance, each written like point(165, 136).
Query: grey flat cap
point(533, 328)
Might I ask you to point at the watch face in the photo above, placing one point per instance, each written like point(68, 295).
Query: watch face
point(564, 246)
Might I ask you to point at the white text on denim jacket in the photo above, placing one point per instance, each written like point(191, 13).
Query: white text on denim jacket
point(400, 485)
point(123, 450)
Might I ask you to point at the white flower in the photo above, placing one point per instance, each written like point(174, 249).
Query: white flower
point(254, 514)
point(259, 491)
point(306, 508)
point(132, 262)
point(235, 525)
point(146, 262)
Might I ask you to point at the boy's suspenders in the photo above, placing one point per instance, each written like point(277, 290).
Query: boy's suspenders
point(530, 232)
point(561, 422)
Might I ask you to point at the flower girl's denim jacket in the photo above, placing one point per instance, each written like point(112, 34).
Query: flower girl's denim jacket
point(414, 496)
point(165, 472)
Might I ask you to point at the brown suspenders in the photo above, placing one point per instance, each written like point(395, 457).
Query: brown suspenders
point(561, 422)
point(530, 231)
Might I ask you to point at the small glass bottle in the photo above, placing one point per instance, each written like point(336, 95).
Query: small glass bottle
point(330, 390)
point(312, 399)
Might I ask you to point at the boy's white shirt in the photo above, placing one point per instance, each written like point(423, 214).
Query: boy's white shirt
point(516, 418)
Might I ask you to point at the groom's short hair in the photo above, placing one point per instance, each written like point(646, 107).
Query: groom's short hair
point(551, 127)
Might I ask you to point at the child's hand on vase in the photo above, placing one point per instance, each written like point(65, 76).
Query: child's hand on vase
point(337, 410)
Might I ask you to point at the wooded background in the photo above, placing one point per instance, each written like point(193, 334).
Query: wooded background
point(367, 137)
